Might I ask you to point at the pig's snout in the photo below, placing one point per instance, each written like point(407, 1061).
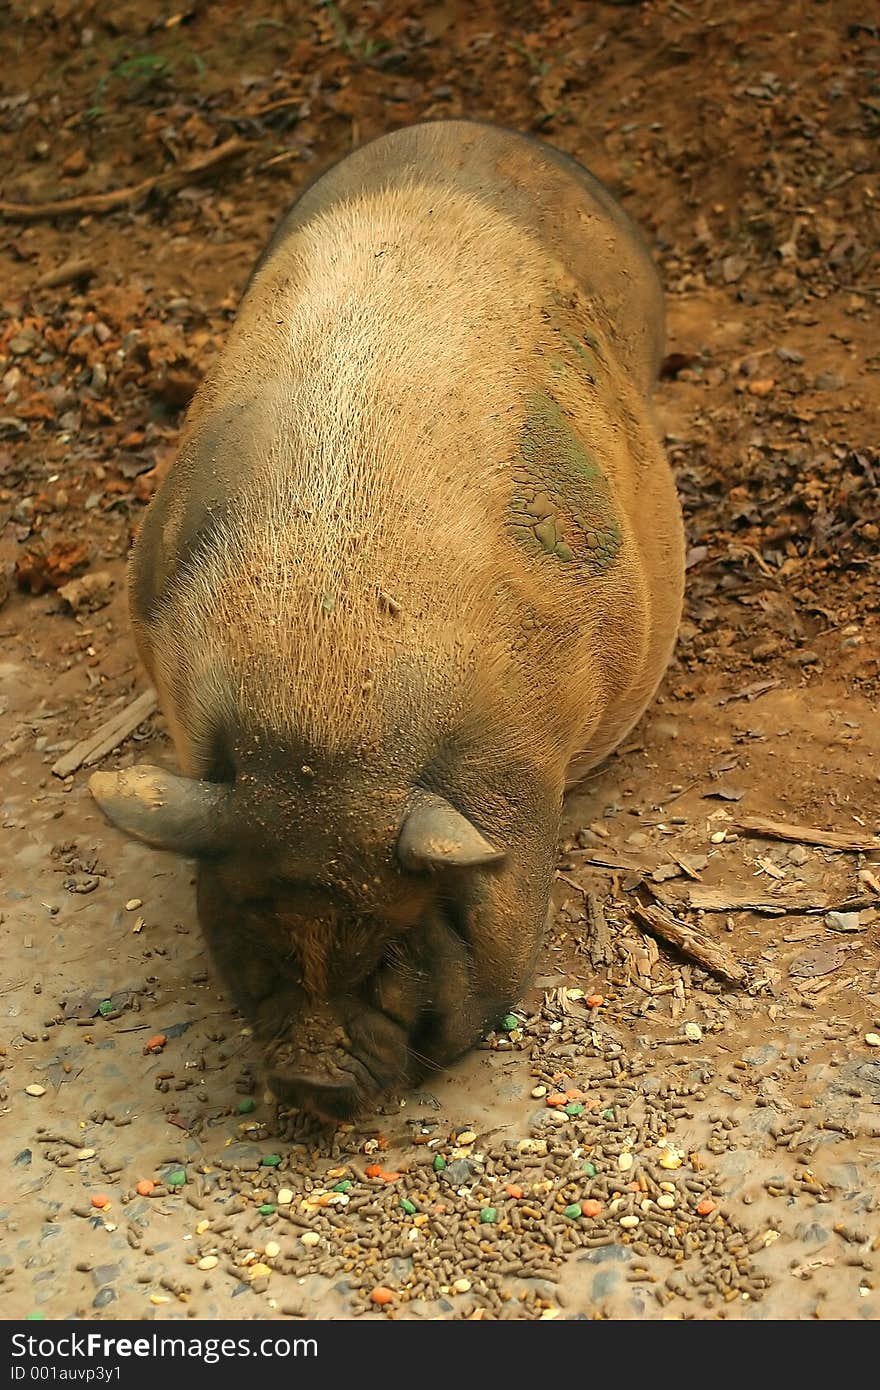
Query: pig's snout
point(337, 1071)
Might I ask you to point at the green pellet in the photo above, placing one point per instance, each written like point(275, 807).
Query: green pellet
point(488, 1215)
point(408, 1206)
point(573, 1211)
point(247, 1105)
point(344, 1186)
point(176, 1179)
point(267, 1209)
point(590, 1169)
point(439, 1163)
point(270, 1160)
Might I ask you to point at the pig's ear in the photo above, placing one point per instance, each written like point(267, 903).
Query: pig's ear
point(436, 836)
point(181, 814)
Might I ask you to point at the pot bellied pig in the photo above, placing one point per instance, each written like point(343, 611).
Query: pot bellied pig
point(417, 567)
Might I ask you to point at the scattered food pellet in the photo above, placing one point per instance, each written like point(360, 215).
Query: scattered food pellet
point(176, 1178)
point(666, 1201)
point(36, 1316)
point(461, 1285)
point(100, 1201)
point(266, 1208)
point(260, 1270)
point(285, 1197)
point(381, 1295)
point(202, 1227)
point(538, 1092)
point(706, 1207)
point(145, 1187)
point(344, 1186)
point(156, 1043)
point(208, 1262)
point(513, 1190)
point(591, 1207)
point(467, 1136)
point(488, 1215)
point(408, 1206)
point(594, 1001)
point(509, 1022)
point(574, 1108)
point(106, 1007)
point(629, 1222)
point(270, 1160)
point(159, 1298)
point(272, 1249)
point(590, 1169)
point(247, 1105)
point(625, 1161)
point(310, 1238)
point(573, 1211)
point(670, 1158)
point(133, 904)
point(83, 1154)
point(439, 1163)
point(34, 1090)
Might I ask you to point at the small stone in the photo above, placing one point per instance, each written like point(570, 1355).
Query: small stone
point(798, 854)
point(285, 1197)
point(718, 837)
point(693, 1032)
point(34, 1090)
point(310, 1238)
point(461, 1285)
point(843, 921)
point(83, 1154)
point(873, 1040)
point(271, 1249)
point(133, 904)
point(629, 1222)
point(208, 1262)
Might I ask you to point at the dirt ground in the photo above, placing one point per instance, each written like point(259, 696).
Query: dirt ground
point(682, 1145)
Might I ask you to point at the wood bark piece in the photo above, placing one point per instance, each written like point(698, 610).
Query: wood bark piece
point(703, 898)
point(599, 940)
point(692, 943)
point(132, 196)
point(108, 736)
point(806, 835)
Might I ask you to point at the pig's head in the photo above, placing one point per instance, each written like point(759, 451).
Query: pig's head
point(365, 950)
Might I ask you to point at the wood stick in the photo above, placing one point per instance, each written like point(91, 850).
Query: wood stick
point(805, 834)
point(132, 196)
point(692, 943)
point(108, 736)
point(66, 274)
point(704, 898)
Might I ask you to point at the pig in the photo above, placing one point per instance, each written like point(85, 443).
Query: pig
point(417, 567)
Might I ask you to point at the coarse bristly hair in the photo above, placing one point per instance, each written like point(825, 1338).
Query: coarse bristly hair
point(362, 579)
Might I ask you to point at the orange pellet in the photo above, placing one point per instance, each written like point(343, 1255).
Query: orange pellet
point(100, 1200)
point(558, 1098)
point(145, 1187)
point(513, 1190)
point(706, 1207)
point(591, 1207)
point(381, 1295)
point(156, 1043)
point(594, 1001)
point(375, 1170)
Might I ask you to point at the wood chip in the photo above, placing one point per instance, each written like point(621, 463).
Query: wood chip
point(108, 736)
point(599, 940)
point(66, 274)
point(692, 943)
point(703, 898)
point(806, 834)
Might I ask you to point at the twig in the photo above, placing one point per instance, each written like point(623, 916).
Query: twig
point(66, 274)
point(109, 736)
point(132, 196)
point(692, 943)
point(805, 834)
